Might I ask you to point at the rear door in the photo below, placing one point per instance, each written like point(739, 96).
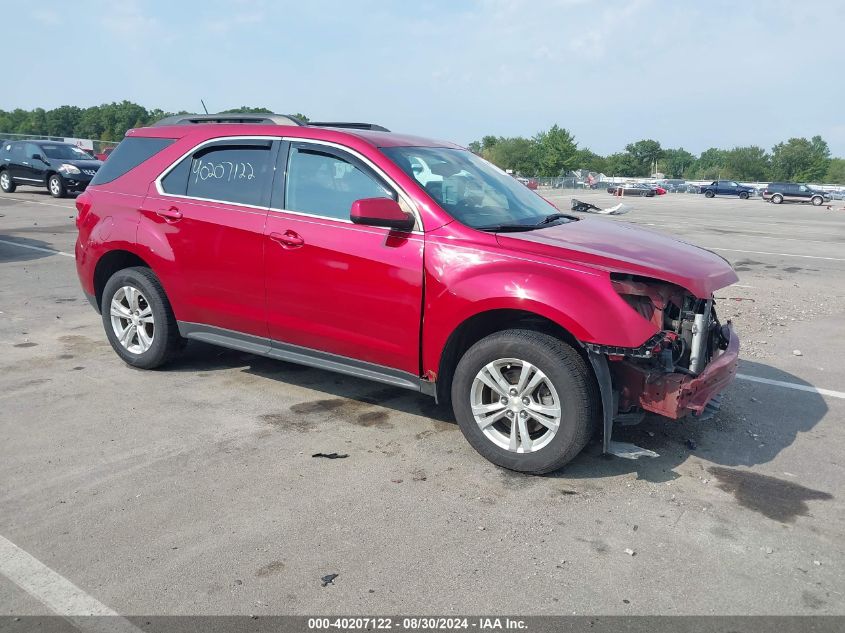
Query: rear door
point(34, 169)
point(803, 193)
point(333, 286)
point(208, 211)
point(15, 161)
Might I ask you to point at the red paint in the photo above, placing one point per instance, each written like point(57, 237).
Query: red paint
point(373, 293)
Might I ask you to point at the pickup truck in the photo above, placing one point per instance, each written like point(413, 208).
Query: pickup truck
point(726, 188)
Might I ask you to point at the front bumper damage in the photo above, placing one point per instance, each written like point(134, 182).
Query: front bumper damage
point(676, 395)
point(626, 385)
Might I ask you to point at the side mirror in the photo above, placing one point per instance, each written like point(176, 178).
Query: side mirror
point(381, 212)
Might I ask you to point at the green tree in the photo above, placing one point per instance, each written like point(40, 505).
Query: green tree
point(709, 165)
point(622, 164)
point(246, 110)
point(801, 160)
point(645, 153)
point(835, 171)
point(556, 150)
point(586, 159)
point(675, 162)
point(516, 153)
point(747, 163)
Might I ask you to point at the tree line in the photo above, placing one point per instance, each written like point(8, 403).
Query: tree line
point(106, 122)
point(552, 152)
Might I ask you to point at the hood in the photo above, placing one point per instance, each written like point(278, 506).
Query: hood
point(627, 248)
point(82, 164)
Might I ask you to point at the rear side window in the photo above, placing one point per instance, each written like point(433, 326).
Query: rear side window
point(239, 172)
point(130, 153)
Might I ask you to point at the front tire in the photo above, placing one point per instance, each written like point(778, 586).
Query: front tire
point(138, 319)
point(525, 401)
point(817, 201)
point(6, 182)
point(56, 185)
point(777, 198)
point(743, 195)
point(709, 194)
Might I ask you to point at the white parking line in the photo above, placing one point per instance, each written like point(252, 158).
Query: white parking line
point(46, 204)
point(792, 385)
point(56, 592)
point(38, 248)
point(736, 250)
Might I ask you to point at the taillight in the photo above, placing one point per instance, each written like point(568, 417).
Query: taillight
point(83, 206)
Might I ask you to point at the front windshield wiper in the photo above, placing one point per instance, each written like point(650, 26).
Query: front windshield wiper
point(507, 228)
point(553, 217)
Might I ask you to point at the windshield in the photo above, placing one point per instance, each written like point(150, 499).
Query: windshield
point(470, 189)
point(65, 152)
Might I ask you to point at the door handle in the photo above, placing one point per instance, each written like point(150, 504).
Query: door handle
point(289, 239)
point(171, 215)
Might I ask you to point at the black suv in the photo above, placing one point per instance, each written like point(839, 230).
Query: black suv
point(778, 192)
point(61, 167)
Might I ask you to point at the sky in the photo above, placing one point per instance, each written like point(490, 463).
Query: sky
point(687, 73)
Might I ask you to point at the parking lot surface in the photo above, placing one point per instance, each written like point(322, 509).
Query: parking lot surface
point(193, 490)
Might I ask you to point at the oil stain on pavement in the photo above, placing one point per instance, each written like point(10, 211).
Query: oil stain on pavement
point(772, 497)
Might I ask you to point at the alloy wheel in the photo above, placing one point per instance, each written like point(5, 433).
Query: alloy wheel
point(515, 405)
point(132, 319)
point(55, 186)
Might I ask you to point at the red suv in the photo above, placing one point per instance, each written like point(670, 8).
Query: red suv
point(407, 261)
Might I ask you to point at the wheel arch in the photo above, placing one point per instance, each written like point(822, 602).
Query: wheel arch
point(482, 324)
point(111, 262)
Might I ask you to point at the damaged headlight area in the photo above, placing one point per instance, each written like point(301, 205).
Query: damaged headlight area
point(684, 366)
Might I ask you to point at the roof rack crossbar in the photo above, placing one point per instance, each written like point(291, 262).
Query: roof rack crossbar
point(231, 117)
point(262, 119)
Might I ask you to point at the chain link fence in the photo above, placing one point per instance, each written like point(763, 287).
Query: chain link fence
point(91, 146)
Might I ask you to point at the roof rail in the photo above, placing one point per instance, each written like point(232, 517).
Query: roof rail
point(230, 117)
point(353, 126)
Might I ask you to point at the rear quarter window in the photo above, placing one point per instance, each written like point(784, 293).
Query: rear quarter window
point(130, 153)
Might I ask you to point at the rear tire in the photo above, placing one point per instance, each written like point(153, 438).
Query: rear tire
point(56, 185)
point(138, 319)
point(6, 182)
point(777, 198)
point(564, 396)
point(817, 201)
point(709, 194)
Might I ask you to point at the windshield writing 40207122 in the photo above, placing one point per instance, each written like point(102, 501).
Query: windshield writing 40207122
point(224, 170)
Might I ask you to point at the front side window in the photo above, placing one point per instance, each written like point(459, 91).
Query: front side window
point(238, 171)
point(472, 190)
point(31, 150)
point(326, 184)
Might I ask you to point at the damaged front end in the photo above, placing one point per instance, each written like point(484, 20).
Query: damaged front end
point(679, 371)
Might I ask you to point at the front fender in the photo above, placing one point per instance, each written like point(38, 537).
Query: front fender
point(464, 280)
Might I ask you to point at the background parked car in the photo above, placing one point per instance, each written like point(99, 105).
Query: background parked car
point(104, 154)
point(61, 167)
point(632, 189)
point(727, 188)
point(531, 183)
point(778, 192)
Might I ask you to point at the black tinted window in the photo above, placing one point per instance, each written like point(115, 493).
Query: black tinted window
point(17, 150)
point(130, 153)
point(237, 171)
point(325, 184)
